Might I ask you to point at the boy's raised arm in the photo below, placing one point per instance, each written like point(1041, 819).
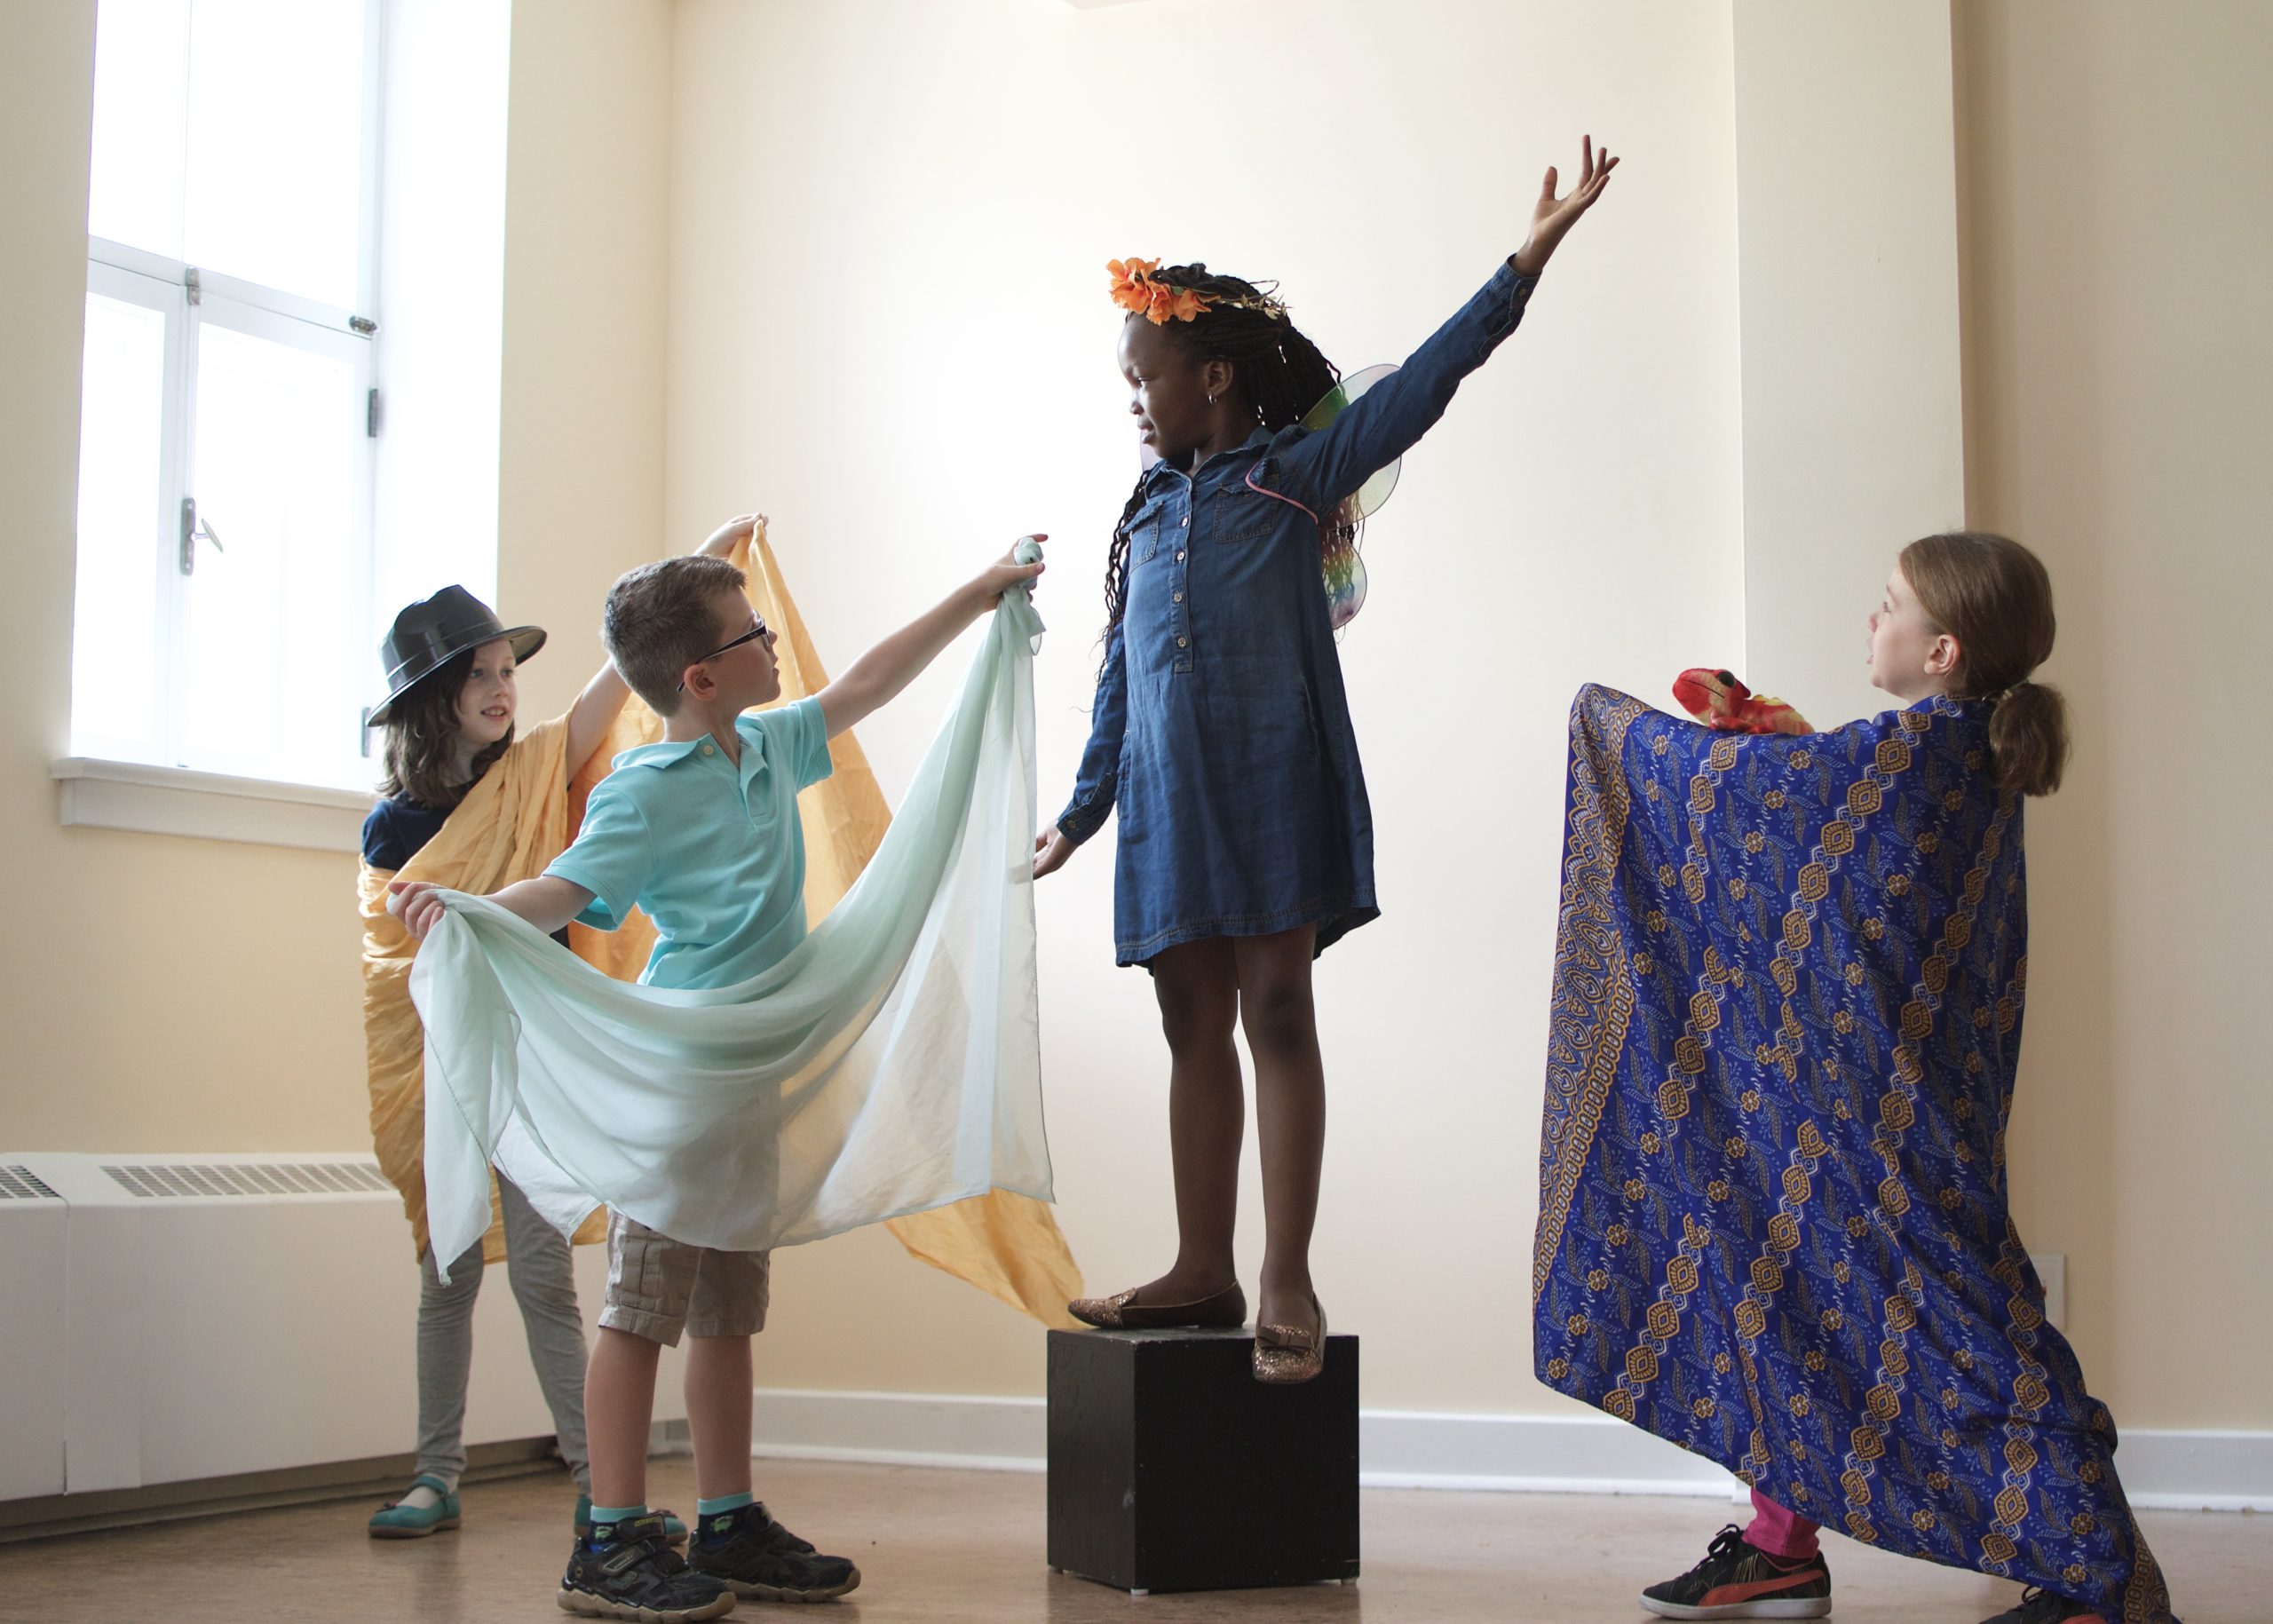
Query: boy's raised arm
point(873, 679)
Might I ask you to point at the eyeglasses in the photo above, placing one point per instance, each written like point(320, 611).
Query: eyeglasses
point(758, 628)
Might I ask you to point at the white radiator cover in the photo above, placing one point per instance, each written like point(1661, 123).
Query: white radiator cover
point(154, 1334)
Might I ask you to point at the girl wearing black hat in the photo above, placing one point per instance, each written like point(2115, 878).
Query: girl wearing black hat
point(471, 808)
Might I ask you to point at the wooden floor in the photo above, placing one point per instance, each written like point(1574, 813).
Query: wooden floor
point(968, 1545)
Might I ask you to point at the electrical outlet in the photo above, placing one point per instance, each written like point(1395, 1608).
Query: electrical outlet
point(2052, 1269)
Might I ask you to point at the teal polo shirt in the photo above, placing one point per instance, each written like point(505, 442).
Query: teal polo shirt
point(711, 850)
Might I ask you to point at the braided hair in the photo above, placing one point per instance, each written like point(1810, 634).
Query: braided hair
point(1275, 369)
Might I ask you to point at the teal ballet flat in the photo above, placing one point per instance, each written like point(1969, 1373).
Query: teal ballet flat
point(396, 1521)
point(674, 1530)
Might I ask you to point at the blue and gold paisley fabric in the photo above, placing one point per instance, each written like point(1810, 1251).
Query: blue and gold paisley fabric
point(1773, 1224)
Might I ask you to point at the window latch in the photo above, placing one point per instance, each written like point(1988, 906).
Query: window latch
point(191, 528)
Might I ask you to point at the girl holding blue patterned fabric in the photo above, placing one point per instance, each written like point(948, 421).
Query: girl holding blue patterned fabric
point(1222, 734)
point(1773, 1214)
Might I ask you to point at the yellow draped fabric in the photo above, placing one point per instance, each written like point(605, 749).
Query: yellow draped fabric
point(511, 823)
point(523, 813)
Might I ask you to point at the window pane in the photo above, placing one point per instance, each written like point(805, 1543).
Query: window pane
point(141, 101)
point(271, 687)
point(275, 137)
point(116, 634)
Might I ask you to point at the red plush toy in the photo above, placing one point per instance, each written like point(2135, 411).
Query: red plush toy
point(1718, 699)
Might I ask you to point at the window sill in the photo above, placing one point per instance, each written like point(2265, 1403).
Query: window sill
point(124, 795)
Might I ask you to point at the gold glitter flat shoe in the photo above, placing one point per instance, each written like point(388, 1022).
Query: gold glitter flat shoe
point(1226, 1310)
point(1284, 1355)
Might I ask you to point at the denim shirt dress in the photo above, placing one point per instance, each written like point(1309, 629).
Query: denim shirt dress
point(1221, 729)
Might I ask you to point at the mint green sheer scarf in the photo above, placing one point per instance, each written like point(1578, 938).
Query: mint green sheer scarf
point(891, 1063)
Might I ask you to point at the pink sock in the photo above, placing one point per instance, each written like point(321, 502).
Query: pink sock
point(1783, 1535)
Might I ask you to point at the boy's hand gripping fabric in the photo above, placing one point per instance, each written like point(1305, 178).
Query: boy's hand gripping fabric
point(889, 1067)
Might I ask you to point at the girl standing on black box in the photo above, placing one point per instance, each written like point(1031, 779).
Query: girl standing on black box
point(1222, 735)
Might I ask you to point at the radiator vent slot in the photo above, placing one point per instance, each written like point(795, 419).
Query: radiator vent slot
point(248, 1178)
point(23, 1184)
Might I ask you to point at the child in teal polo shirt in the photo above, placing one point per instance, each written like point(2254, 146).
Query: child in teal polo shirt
point(700, 832)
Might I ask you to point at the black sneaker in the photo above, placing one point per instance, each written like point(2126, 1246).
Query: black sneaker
point(2042, 1607)
point(629, 1571)
point(1739, 1580)
point(747, 1550)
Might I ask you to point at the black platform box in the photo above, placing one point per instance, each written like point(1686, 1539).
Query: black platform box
point(1171, 1468)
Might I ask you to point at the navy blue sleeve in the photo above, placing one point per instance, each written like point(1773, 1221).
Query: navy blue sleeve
point(383, 846)
point(1320, 469)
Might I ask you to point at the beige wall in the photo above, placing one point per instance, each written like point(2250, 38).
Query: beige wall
point(888, 328)
point(1847, 268)
point(587, 202)
point(166, 993)
point(2120, 363)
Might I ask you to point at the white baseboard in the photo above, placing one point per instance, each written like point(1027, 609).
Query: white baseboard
point(1006, 1434)
point(2197, 1471)
point(1560, 1455)
point(1550, 1454)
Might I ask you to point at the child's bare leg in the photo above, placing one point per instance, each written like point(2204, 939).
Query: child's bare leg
point(717, 1413)
point(1281, 1026)
point(619, 1405)
point(1198, 990)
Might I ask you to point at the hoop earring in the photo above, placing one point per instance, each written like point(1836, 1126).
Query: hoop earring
point(1211, 400)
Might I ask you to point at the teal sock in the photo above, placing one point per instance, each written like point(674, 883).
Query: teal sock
point(724, 1503)
point(616, 1514)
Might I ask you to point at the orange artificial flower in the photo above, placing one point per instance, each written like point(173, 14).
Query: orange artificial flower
point(1135, 290)
point(1131, 286)
point(1185, 305)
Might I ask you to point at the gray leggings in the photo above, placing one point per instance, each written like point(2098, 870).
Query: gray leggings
point(545, 1284)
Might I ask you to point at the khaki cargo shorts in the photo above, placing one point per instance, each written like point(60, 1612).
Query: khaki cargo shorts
point(658, 1287)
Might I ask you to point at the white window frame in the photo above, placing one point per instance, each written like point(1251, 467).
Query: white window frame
point(123, 789)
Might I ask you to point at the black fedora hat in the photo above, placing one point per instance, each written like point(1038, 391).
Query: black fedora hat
point(433, 631)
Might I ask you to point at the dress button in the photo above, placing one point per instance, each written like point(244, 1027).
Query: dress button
point(1180, 642)
point(1186, 521)
point(1179, 557)
point(1176, 597)
point(709, 750)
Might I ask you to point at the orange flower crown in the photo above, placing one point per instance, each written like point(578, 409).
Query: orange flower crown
point(1135, 290)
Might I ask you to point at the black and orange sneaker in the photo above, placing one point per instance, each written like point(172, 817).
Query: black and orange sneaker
point(1739, 1580)
point(2043, 1607)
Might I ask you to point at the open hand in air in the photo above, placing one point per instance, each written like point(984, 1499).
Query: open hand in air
point(1552, 218)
